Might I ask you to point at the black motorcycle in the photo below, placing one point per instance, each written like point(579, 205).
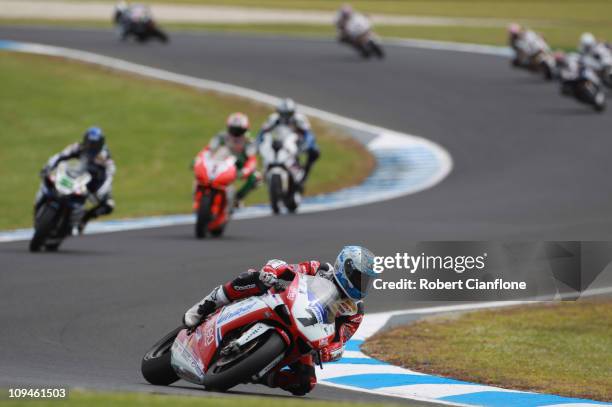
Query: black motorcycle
point(65, 194)
point(139, 24)
point(586, 87)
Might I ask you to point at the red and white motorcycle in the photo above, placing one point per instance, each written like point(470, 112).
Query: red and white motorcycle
point(243, 341)
point(215, 172)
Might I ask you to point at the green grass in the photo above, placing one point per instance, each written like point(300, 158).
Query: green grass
point(563, 348)
point(153, 128)
point(92, 399)
point(591, 11)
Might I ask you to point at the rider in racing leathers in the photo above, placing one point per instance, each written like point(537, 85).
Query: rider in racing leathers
point(591, 49)
point(343, 16)
point(351, 273)
point(94, 153)
point(236, 138)
point(526, 44)
point(286, 115)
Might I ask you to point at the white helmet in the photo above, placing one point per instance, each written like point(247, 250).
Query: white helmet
point(587, 42)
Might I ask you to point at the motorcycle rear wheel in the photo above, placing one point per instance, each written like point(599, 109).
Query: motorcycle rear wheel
point(242, 371)
point(155, 366)
point(43, 226)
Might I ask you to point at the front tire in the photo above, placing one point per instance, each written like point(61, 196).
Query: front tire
point(276, 192)
point(203, 217)
point(44, 224)
point(247, 367)
point(155, 366)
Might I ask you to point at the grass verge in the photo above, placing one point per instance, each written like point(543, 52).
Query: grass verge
point(153, 128)
point(562, 348)
point(93, 399)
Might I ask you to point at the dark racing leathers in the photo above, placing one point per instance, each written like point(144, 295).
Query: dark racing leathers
point(300, 378)
point(307, 144)
point(245, 152)
point(101, 168)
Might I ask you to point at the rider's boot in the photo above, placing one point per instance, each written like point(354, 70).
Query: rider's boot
point(203, 308)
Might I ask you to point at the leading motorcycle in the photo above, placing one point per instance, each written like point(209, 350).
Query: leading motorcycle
point(283, 173)
point(65, 194)
point(243, 341)
point(360, 36)
point(215, 172)
point(138, 22)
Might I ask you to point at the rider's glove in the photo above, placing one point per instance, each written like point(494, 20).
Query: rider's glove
point(268, 279)
point(332, 352)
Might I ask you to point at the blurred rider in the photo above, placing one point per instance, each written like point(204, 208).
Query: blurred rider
point(120, 11)
point(527, 44)
point(95, 155)
point(237, 140)
point(343, 16)
point(351, 274)
point(589, 47)
point(287, 115)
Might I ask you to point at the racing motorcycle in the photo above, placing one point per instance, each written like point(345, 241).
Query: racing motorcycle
point(279, 151)
point(360, 36)
point(215, 172)
point(601, 65)
point(243, 341)
point(65, 192)
point(582, 83)
point(137, 22)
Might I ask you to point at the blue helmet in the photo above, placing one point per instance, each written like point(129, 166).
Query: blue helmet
point(93, 141)
point(353, 270)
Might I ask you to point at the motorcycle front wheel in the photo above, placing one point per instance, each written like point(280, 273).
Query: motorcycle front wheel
point(155, 366)
point(222, 376)
point(275, 190)
point(203, 215)
point(44, 224)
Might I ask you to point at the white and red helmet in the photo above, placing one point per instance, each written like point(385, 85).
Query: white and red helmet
point(514, 29)
point(237, 124)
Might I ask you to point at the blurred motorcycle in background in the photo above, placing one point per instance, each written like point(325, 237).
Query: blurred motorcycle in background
point(213, 198)
point(359, 34)
point(136, 21)
point(580, 81)
point(283, 173)
point(65, 191)
point(601, 63)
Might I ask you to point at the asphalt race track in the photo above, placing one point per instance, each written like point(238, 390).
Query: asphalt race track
point(528, 165)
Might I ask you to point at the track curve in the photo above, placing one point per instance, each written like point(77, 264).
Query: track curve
point(528, 165)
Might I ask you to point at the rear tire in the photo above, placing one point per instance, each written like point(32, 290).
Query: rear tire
point(217, 232)
point(377, 49)
point(276, 191)
point(156, 367)
point(52, 247)
point(203, 216)
point(245, 369)
point(43, 226)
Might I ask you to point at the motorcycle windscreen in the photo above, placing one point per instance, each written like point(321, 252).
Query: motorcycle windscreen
point(315, 308)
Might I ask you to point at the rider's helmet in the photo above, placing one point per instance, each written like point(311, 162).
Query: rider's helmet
point(353, 270)
point(514, 30)
point(587, 42)
point(93, 142)
point(237, 124)
point(560, 59)
point(346, 10)
point(285, 110)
